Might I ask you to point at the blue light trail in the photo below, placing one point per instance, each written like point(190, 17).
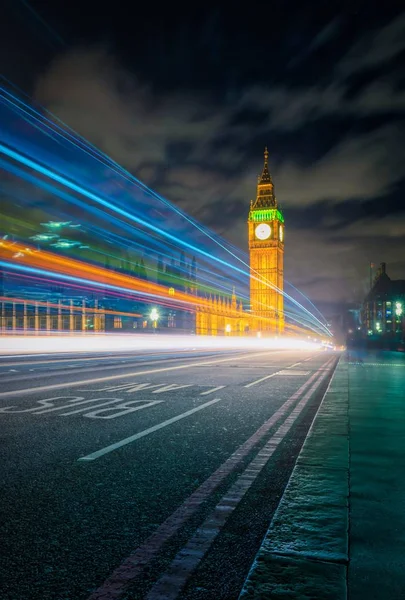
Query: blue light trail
point(116, 209)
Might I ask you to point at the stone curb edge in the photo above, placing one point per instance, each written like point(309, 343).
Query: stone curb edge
point(304, 554)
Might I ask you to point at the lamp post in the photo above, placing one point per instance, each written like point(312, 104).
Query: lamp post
point(154, 315)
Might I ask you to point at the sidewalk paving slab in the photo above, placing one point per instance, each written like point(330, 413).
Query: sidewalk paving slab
point(377, 479)
point(305, 551)
point(339, 530)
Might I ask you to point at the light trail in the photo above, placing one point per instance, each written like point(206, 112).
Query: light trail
point(69, 343)
point(72, 270)
point(214, 269)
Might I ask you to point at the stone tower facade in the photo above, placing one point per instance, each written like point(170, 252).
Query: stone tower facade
point(266, 252)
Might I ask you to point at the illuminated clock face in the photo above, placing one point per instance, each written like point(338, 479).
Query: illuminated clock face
point(281, 234)
point(263, 231)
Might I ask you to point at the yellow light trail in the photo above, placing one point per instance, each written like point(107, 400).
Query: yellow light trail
point(18, 253)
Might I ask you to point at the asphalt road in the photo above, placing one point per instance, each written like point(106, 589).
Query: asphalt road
point(151, 475)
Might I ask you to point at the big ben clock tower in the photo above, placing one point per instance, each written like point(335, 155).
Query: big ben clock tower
point(266, 250)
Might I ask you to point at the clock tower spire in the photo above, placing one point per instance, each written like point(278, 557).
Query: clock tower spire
point(266, 252)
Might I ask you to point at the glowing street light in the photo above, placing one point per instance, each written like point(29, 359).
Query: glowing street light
point(154, 315)
point(228, 328)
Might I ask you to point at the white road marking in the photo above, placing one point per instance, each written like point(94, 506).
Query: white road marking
point(215, 389)
point(127, 387)
point(126, 406)
point(310, 358)
point(293, 373)
point(171, 583)
point(281, 372)
point(57, 386)
point(74, 403)
point(260, 380)
point(294, 365)
point(75, 412)
point(145, 432)
point(21, 355)
point(45, 404)
point(48, 406)
point(134, 565)
point(128, 357)
point(172, 387)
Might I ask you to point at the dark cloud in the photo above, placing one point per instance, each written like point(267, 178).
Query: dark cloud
point(376, 48)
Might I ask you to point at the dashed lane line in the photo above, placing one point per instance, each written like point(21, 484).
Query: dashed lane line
point(269, 376)
point(280, 372)
point(287, 373)
point(260, 380)
point(145, 432)
point(294, 365)
point(215, 389)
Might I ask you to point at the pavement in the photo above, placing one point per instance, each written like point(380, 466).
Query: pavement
point(202, 475)
point(339, 529)
point(147, 475)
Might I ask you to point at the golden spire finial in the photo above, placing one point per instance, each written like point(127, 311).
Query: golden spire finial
point(265, 177)
point(265, 194)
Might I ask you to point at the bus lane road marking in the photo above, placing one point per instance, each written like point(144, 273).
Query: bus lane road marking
point(100, 408)
point(108, 408)
point(134, 565)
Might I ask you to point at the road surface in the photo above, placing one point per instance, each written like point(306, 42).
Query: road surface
point(147, 476)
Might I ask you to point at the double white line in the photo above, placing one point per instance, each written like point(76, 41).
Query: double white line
point(173, 580)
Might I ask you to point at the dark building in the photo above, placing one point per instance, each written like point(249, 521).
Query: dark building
point(383, 310)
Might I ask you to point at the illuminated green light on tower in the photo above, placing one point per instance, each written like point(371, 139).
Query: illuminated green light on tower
point(266, 214)
point(398, 309)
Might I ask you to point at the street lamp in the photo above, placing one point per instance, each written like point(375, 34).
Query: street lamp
point(154, 315)
point(228, 328)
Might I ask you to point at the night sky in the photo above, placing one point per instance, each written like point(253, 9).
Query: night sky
point(186, 97)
